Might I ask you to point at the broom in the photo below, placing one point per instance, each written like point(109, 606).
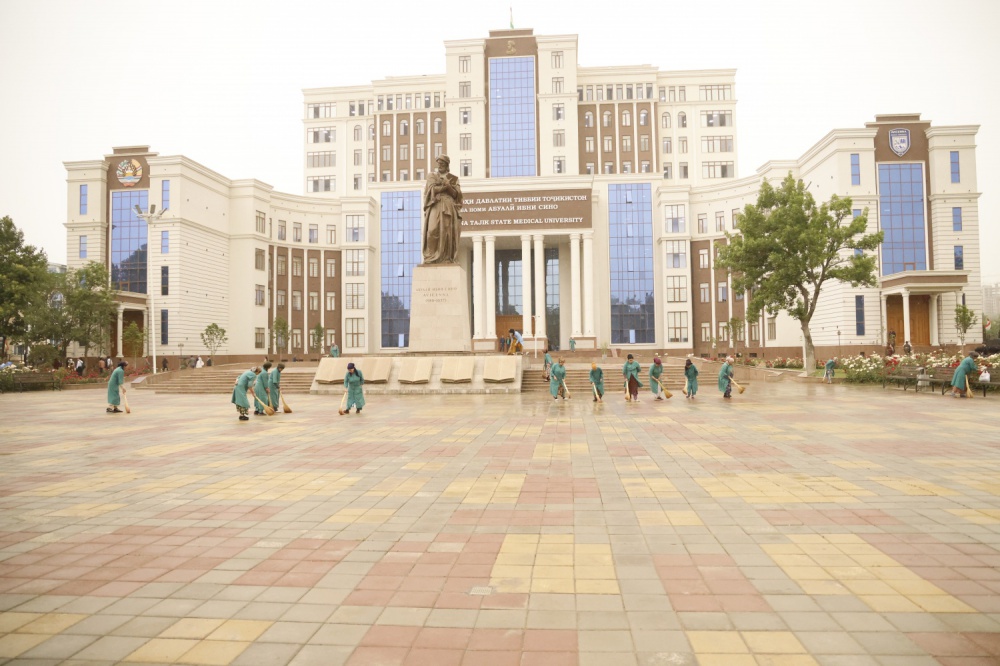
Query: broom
point(566, 388)
point(342, 402)
point(596, 397)
point(284, 405)
point(740, 388)
point(968, 389)
point(129, 411)
point(663, 388)
point(267, 408)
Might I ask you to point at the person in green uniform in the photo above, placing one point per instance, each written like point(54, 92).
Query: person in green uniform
point(334, 351)
point(958, 380)
point(630, 371)
point(597, 379)
point(726, 378)
point(655, 371)
point(262, 389)
point(691, 375)
point(115, 382)
point(275, 380)
point(557, 378)
point(243, 389)
point(572, 344)
point(547, 368)
point(353, 381)
point(828, 368)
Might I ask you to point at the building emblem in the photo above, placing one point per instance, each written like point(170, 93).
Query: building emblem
point(511, 49)
point(899, 141)
point(129, 172)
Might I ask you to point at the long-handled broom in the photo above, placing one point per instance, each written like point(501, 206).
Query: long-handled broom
point(125, 398)
point(343, 401)
point(663, 388)
point(267, 408)
point(968, 389)
point(284, 405)
point(740, 388)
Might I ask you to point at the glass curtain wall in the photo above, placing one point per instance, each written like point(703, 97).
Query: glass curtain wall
point(630, 222)
point(400, 254)
point(552, 296)
point(901, 212)
point(128, 241)
point(512, 117)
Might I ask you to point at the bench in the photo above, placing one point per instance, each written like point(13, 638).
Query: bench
point(903, 375)
point(21, 380)
point(975, 384)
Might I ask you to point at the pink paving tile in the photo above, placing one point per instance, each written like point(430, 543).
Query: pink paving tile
point(492, 658)
point(550, 659)
point(390, 635)
point(496, 639)
point(456, 600)
point(414, 599)
point(371, 582)
point(695, 603)
point(433, 657)
point(368, 598)
point(449, 638)
point(377, 656)
point(940, 644)
point(989, 642)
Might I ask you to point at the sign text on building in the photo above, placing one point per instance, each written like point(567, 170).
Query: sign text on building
point(496, 211)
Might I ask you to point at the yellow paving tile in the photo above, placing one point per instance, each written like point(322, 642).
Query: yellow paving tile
point(191, 627)
point(214, 653)
point(13, 645)
point(773, 642)
point(717, 642)
point(51, 623)
point(160, 650)
point(240, 630)
point(10, 620)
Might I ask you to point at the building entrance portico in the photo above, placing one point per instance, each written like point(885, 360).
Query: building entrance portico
point(912, 302)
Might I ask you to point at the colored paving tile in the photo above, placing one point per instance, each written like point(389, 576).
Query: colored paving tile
point(506, 530)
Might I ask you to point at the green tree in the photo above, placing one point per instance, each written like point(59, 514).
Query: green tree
point(788, 247)
point(134, 341)
point(317, 335)
point(736, 327)
point(964, 320)
point(213, 337)
point(279, 334)
point(23, 273)
point(90, 305)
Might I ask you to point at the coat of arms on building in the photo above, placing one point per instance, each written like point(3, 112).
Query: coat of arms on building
point(899, 141)
point(129, 172)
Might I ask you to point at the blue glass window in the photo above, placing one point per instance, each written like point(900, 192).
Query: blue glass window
point(164, 242)
point(552, 296)
point(164, 280)
point(512, 117)
point(901, 202)
point(855, 169)
point(401, 213)
point(83, 200)
point(128, 241)
point(959, 257)
point(956, 219)
point(956, 170)
point(164, 327)
point(859, 314)
point(630, 227)
point(508, 281)
point(83, 247)
point(165, 195)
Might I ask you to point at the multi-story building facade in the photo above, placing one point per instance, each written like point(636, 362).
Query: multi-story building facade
point(595, 202)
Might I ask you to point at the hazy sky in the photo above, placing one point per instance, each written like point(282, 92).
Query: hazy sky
point(220, 81)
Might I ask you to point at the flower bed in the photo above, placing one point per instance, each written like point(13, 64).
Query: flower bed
point(871, 369)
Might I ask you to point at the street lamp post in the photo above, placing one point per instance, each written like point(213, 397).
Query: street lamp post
point(149, 217)
point(838, 342)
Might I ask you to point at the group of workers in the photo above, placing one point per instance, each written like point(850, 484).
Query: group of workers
point(555, 373)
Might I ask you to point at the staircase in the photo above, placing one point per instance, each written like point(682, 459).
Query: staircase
point(578, 379)
point(221, 380)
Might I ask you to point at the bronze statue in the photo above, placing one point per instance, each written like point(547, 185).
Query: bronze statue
point(442, 224)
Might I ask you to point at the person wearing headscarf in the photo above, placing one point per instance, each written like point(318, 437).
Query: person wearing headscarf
point(630, 371)
point(691, 374)
point(655, 371)
point(958, 379)
point(262, 389)
point(353, 381)
point(726, 378)
point(597, 379)
point(547, 368)
point(242, 389)
point(557, 377)
point(275, 380)
point(116, 386)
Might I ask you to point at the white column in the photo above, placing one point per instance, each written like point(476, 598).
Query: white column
point(121, 312)
point(588, 283)
point(906, 317)
point(540, 330)
point(477, 287)
point(526, 285)
point(934, 319)
point(491, 288)
point(574, 273)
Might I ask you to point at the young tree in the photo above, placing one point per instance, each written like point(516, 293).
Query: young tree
point(23, 274)
point(213, 337)
point(964, 320)
point(279, 334)
point(90, 305)
point(788, 247)
point(133, 341)
point(317, 336)
point(736, 327)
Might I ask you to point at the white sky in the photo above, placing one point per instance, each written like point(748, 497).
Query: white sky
point(220, 80)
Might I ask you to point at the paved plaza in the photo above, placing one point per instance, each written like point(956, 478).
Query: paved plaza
point(797, 524)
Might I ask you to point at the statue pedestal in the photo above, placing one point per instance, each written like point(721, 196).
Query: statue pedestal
point(439, 309)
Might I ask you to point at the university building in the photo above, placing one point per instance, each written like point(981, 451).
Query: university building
point(595, 200)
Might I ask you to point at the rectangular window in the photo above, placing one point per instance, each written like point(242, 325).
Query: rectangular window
point(512, 119)
point(164, 280)
point(677, 327)
point(723, 292)
point(720, 221)
point(280, 298)
point(314, 301)
point(558, 111)
point(313, 267)
point(83, 200)
point(588, 144)
point(626, 144)
point(559, 165)
point(355, 263)
point(644, 143)
point(165, 194)
point(557, 84)
point(723, 332)
point(464, 115)
point(297, 266)
point(297, 232)
point(419, 153)
point(702, 225)
point(331, 268)
point(258, 259)
point(355, 228)
point(772, 328)
point(558, 138)
point(859, 315)
point(282, 263)
point(676, 254)
point(956, 171)
point(736, 218)
point(682, 145)
point(716, 118)
point(855, 169)
point(83, 247)
point(716, 144)
point(313, 233)
point(668, 170)
point(164, 242)
point(959, 258)
point(258, 338)
point(718, 170)
point(331, 301)
point(465, 89)
point(258, 294)
point(164, 327)
point(609, 144)
point(296, 338)
point(261, 222)
point(354, 332)
point(557, 59)
point(902, 218)
point(466, 168)
point(956, 219)
point(331, 234)
point(321, 184)
point(677, 289)
point(465, 142)
point(321, 135)
point(281, 230)
point(632, 278)
point(324, 159)
point(702, 258)
point(464, 65)
point(706, 332)
point(354, 296)
point(682, 170)
point(590, 168)
point(754, 331)
point(714, 92)
point(297, 300)
point(705, 292)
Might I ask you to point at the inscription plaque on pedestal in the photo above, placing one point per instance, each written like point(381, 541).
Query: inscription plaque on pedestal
point(439, 309)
